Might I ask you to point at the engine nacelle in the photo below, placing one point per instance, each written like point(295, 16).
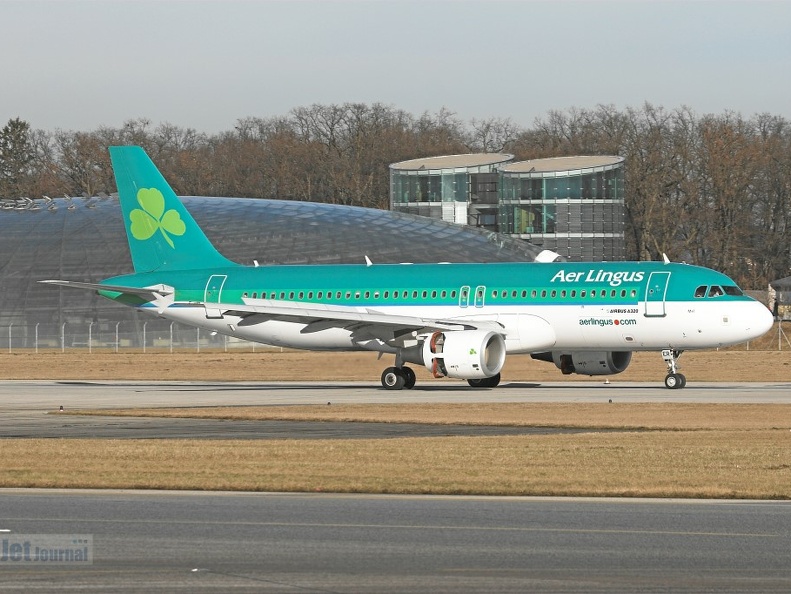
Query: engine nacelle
point(463, 354)
point(588, 363)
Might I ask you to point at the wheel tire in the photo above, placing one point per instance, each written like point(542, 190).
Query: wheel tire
point(393, 379)
point(409, 377)
point(683, 379)
point(672, 381)
point(493, 381)
point(485, 382)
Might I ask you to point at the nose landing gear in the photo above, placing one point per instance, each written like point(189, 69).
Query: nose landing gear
point(673, 380)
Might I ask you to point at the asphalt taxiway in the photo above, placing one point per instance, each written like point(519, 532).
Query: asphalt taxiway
point(151, 541)
point(29, 409)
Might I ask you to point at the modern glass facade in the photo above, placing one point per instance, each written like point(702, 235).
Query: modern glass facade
point(459, 189)
point(85, 240)
point(571, 205)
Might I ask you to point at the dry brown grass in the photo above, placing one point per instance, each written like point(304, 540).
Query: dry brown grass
point(665, 416)
point(714, 464)
point(273, 365)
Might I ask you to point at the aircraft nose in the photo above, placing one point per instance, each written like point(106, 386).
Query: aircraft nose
point(759, 320)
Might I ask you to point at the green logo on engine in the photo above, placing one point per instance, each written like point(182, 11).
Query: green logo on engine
point(153, 218)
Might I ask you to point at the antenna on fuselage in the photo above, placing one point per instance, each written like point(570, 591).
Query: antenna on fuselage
point(665, 259)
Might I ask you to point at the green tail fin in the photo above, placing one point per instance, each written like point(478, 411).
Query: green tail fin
point(161, 232)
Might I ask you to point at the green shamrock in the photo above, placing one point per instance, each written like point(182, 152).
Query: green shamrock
point(153, 216)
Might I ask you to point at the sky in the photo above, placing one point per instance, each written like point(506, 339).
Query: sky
point(79, 65)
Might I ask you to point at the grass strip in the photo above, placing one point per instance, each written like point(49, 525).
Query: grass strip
point(668, 416)
point(706, 464)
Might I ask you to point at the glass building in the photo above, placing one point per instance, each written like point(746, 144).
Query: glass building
point(571, 205)
point(461, 189)
point(84, 240)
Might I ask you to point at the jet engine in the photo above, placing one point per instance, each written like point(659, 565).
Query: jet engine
point(462, 354)
point(588, 363)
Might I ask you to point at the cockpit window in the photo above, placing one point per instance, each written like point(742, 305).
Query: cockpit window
point(715, 291)
point(701, 291)
point(732, 290)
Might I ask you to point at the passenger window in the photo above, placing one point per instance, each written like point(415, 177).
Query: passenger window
point(563, 293)
point(310, 295)
point(524, 293)
point(701, 291)
point(533, 293)
point(301, 295)
point(255, 295)
point(573, 293)
point(715, 291)
point(494, 293)
point(543, 293)
point(453, 294)
point(291, 295)
point(368, 294)
point(554, 293)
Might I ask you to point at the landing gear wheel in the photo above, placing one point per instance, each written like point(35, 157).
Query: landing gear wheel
point(485, 382)
point(393, 379)
point(409, 377)
point(674, 381)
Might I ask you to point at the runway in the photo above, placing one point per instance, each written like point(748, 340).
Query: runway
point(28, 409)
point(167, 542)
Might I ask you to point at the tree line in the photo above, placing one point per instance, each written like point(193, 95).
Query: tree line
point(713, 190)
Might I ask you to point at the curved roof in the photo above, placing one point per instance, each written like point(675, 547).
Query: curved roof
point(453, 161)
point(85, 240)
point(563, 164)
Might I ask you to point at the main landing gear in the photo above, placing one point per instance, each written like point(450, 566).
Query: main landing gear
point(485, 382)
point(397, 378)
point(673, 379)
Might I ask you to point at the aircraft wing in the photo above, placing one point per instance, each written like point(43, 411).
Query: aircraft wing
point(363, 321)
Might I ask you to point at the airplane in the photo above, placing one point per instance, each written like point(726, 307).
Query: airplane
point(458, 320)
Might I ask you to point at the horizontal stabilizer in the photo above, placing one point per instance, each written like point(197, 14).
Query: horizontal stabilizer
point(154, 292)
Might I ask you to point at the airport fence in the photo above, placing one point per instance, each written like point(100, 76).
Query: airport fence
point(152, 335)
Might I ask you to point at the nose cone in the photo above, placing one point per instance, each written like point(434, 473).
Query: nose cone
point(758, 320)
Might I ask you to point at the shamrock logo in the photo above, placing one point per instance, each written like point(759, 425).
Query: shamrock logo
point(153, 217)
